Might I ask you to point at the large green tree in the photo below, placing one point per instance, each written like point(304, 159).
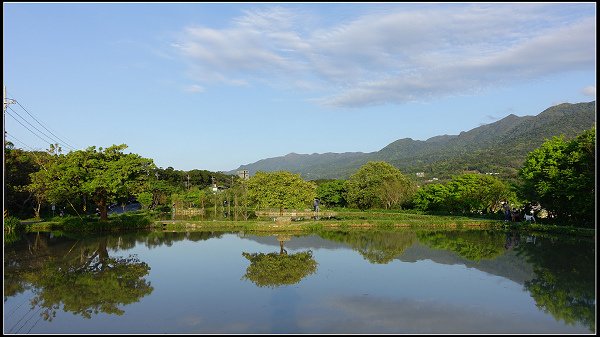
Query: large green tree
point(103, 176)
point(467, 194)
point(18, 199)
point(280, 189)
point(561, 176)
point(378, 184)
point(331, 193)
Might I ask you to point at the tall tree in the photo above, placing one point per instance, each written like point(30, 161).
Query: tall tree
point(103, 176)
point(18, 199)
point(331, 193)
point(467, 193)
point(378, 184)
point(561, 176)
point(280, 190)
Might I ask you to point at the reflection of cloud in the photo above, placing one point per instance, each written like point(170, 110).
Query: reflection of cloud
point(406, 53)
point(589, 91)
point(222, 325)
point(376, 315)
point(191, 321)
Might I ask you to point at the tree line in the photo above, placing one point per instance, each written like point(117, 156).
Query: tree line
point(559, 177)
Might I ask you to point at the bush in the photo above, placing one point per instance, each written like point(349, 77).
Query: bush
point(121, 222)
point(12, 224)
point(132, 221)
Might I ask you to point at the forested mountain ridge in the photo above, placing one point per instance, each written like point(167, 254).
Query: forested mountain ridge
point(499, 147)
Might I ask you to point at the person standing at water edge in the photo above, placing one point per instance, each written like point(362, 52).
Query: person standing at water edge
point(506, 211)
point(316, 205)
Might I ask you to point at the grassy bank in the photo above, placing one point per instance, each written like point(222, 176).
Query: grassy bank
point(380, 220)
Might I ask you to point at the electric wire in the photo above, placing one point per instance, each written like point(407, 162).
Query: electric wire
point(18, 121)
point(33, 126)
point(55, 141)
point(60, 140)
point(34, 324)
point(63, 142)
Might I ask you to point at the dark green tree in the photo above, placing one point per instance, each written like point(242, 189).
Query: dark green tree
point(467, 194)
point(331, 193)
point(18, 199)
point(561, 176)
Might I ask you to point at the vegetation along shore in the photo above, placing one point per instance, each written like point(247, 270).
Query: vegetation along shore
point(99, 189)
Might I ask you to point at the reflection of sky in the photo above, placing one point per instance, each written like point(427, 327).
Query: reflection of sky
point(199, 288)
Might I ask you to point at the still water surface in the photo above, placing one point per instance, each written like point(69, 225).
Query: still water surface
point(334, 282)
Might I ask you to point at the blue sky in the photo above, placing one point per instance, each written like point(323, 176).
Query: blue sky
point(215, 86)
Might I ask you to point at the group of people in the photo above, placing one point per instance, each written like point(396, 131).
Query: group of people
point(514, 215)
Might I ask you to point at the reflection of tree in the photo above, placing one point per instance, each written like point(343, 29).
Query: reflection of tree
point(276, 269)
point(159, 238)
point(81, 276)
point(93, 282)
point(472, 245)
point(564, 285)
point(374, 246)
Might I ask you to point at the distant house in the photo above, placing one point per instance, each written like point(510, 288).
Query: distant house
point(243, 174)
point(217, 189)
point(420, 174)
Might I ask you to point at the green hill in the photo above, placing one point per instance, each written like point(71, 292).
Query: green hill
point(499, 147)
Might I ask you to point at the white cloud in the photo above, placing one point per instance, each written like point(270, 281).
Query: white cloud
point(400, 55)
point(589, 91)
point(194, 88)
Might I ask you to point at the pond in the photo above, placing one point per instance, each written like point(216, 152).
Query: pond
point(343, 282)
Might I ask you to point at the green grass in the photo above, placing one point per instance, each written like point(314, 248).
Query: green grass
point(345, 220)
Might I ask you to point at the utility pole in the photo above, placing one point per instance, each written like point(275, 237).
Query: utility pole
point(7, 102)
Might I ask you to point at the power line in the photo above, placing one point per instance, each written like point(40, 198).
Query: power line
point(8, 134)
point(35, 134)
point(20, 141)
point(22, 107)
point(33, 126)
point(39, 161)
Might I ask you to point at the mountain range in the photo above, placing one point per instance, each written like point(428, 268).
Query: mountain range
point(496, 148)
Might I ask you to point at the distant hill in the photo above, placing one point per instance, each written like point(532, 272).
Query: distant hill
point(499, 147)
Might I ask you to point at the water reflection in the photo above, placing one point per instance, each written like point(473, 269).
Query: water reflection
point(87, 276)
point(78, 275)
point(564, 283)
point(473, 245)
point(277, 269)
point(564, 269)
point(375, 246)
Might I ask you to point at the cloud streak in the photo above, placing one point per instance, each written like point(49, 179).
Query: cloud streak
point(589, 91)
point(402, 55)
